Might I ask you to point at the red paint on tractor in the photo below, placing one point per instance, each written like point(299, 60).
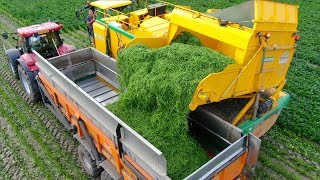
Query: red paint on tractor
point(38, 28)
point(66, 48)
point(30, 61)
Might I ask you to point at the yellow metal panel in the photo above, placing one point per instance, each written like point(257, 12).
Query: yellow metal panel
point(110, 4)
point(120, 17)
point(149, 42)
point(273, 15)
point(118, 42)
point(135, 16)
point(261, 62)
point(152, 27)
point(100, 35)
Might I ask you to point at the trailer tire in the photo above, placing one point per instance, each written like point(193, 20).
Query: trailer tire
point(27, 85)
point(105, 176)
point(88, 163)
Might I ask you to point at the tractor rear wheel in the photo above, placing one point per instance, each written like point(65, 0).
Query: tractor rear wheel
point(27, 85)
point(88, 163)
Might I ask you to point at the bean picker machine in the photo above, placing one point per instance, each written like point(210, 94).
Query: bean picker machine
point(228, 111)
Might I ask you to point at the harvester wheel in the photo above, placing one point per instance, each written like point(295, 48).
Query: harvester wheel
point(105, 176)
point(27, 85)
point(87, 162)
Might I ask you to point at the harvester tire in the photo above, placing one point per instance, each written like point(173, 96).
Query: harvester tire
point(105, 176)
point(88, 163)
point(27, 85)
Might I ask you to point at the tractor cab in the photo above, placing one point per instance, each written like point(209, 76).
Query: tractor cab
point(43, 38)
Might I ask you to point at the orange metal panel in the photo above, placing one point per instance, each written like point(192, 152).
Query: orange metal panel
point(142, 171)
point(104, 144)
point(265, 126)
point(233, 170)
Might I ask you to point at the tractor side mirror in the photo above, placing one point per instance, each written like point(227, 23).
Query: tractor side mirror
point(5, 35)
point(78, 14)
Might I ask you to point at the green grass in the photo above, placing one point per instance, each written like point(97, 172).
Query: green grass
point(30, 12)
point(41, 146)
point(159, 85)
point(291, 152)
point(303, 112)
point(29, 131)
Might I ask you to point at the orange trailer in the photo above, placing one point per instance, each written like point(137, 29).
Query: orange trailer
point(78, 86)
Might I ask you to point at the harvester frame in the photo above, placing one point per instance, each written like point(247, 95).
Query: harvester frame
point(262, 61)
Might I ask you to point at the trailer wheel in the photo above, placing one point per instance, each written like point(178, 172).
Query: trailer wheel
point(105, 176)
point(27, 85)
point(87, 162)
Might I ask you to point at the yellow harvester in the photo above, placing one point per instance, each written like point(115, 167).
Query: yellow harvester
point(228, 108)
point(259, 35)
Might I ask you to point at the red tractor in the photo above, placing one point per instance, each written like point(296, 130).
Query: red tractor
point(43, 38)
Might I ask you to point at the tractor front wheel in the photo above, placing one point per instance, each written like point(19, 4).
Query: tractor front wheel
point(27, 85)
point(88, 163)
point(13, 68)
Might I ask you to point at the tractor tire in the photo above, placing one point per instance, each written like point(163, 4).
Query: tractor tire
point(105, 176)
point(12, 56)
point(27, 85)
point(88, 163)
point(13, 69)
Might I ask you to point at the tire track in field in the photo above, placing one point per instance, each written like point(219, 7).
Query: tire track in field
point(64, 139)
point(293, 161)
point(56, 158)
point(15, 163)
point(8, 167)
point(49, 121)
point(12, 113)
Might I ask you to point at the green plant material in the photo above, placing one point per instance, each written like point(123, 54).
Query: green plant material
point(188, 38)
point(31, 12)
point(159, 85)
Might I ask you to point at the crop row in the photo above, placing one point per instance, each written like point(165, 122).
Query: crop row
point(37, 144)
point(37, 11)
point(303, 112)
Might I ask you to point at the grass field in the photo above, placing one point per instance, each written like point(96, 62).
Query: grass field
point(35, 146)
